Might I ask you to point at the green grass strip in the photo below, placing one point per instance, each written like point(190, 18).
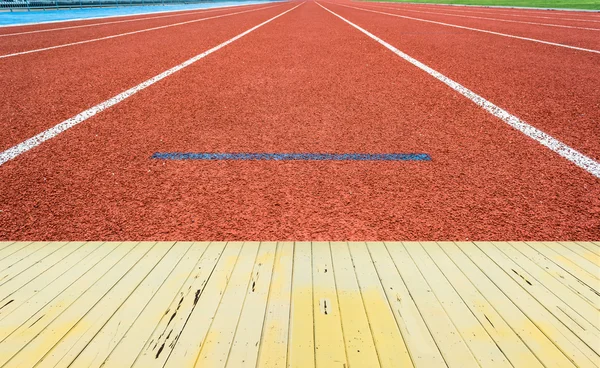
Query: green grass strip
point(565, 4)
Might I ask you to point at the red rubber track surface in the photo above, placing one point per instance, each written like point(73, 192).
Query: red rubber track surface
point(307, 82)
point(45, 88)
point(568, 36)
point(508, 13)
point(552, 88)
point(520, 16)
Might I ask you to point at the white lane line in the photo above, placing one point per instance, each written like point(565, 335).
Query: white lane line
point(35, 141)
point(123, 15)
point(486, 18)
point(494, 12)
point(180, 14)
point(555, 145)
point(128, 33)
point(476, 30)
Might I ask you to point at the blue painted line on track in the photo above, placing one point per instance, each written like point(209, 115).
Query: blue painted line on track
point(24, 17)
point(206, 156)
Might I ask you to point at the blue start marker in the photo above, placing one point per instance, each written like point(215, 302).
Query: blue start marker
point(292, 156)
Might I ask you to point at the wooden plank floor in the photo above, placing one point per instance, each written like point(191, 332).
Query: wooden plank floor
point(286, 304)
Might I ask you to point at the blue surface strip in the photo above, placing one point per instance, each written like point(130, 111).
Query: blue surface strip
point(22, 16)
point(178, 156)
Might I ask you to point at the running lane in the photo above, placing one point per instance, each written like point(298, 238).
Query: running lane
point(305, 83)
point(509, 13)
point(586, 38)
point(42, 89)
point(552, 88)
point(30, 41)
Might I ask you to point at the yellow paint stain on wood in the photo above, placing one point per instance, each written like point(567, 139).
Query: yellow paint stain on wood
point(301, 345)
point(454, 350)
point(180, 304)
point(329, 337)
point(45, 329)
point(274, 340)
point(122, 304)
point(37, 312)
point(360, 348)
point(421, 345)
point(390, 346)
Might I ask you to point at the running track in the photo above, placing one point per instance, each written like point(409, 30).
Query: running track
point(306, 81)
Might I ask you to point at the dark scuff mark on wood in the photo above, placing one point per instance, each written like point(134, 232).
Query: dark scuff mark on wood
point(7, 303)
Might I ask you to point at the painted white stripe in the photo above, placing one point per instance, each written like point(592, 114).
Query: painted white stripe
point(124, 15)
point(129, 33)
point(555, 145)
point(476, 30)
point(486, 18)
point(179, 14)
point(495, 12)
point(35, 141)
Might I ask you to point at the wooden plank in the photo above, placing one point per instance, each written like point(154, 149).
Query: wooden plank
point(244, 350)
point(4, 244)
point(301, 352)
point(113, 322)
point(511, 343)
point(10, 285)
point(454, 350)
point(216, 295)
point(21, 254)
point(563, 276)
point(85, 317)
point(580, 250)
point(13, 248)
point(564, 339)
point(566, 264)
point(590, 246)
point(578, 325)
point(111, 352)
point(274, 341)
point(540, 343)
point(188, 345)
point(568, 253)
point(329, 337)
point(360, 347)
point(472, 332)
point(215, 347)
point(217, 264)
point(29, 299)
point(389, 344)
point(8, 273)
point(421, 345)
point(542, 278)
point(77, 298)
